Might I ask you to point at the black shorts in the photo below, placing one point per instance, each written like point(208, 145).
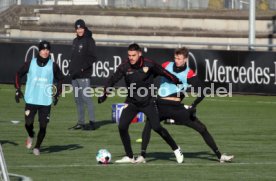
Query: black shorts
point(43, 113)
point(173, 110)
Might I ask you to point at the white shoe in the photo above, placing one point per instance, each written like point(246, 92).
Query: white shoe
point(140, 159)
point(178, 154)
point(226, 158)
point(125, 159)
point(29, 142)
point(36, 151)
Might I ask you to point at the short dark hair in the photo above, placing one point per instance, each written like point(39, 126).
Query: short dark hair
point(182, 51)
point(134, 47)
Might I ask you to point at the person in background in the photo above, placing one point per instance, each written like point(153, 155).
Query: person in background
point(80, 70)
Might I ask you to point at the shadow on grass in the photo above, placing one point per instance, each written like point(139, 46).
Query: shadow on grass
point(59, 148)
point(2, 142)
point(170, 156)
point(101, 123)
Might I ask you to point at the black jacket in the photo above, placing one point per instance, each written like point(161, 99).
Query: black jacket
point(141, 75)
point(83, 55)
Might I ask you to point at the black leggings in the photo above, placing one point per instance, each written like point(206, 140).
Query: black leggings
point(43, 118)
point(151, 111)
point(177, 112)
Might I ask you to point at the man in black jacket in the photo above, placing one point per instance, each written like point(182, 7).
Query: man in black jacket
point(80, 70)
point(139, 74)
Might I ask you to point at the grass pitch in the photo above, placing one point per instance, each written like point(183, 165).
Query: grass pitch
point(241, 125)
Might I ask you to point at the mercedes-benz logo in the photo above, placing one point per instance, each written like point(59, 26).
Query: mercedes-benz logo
point(31, 53)
point(192, 62)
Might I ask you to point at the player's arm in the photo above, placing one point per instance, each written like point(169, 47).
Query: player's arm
point(59, 77)
point(111, 82)
point(159, 70)
point(18, 78)
point(195, 82)
point(91, 53)
point(20, 74)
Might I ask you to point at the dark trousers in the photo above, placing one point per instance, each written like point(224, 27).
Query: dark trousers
point(43, 119)
point(176, 111)
point(151, 111)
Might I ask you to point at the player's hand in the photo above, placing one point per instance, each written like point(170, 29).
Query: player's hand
point(102, 98)
point(55, 101)
point(18, 95)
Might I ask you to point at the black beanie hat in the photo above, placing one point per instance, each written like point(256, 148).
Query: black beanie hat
point(44, 45)
point(79, 24)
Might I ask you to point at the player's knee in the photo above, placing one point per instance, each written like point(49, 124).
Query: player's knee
point(28, 122)
point(203, 130)
point(122, 127)
point(157, 128)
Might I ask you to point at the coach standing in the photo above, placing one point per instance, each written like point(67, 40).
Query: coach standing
point(80, 69)
point(41, 73)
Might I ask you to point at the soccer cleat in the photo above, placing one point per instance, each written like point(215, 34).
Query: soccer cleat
point(125, 159)
point(36, 151)
point(178, 154)
point(140, 159)
point(89, 127)
point(29, 142)
point(226, 158)
point(77, 126)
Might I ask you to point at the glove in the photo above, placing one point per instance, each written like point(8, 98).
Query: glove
point(102, 99)
point(192, 111)
point(55, 101)
point(18, 95)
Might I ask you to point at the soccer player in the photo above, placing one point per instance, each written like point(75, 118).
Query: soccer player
point(139, 73)
point(80, 70)
point(170, 107)
point(41, 73)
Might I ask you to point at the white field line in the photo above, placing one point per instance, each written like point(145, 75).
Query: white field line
point(244, 101)
point(146, 164)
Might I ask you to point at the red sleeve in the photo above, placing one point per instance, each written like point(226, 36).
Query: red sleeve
point(191, 74)
point(165, 64)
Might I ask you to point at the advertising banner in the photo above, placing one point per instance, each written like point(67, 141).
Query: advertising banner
point(240, 71)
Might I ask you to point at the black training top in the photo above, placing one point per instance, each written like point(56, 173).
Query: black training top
point(139, 78)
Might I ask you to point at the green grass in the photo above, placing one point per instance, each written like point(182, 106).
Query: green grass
point(241, 125)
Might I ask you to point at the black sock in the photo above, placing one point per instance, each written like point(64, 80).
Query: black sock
point(30, 130)
point(40, 137)
point(217, 152)
point(143, 153)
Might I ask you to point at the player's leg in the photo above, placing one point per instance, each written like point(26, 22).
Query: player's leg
point(85, 84)
point(146, 134)
point(77, 90)
point(129, 112)
point(151, 112)
point(181, 116)
point(30, 111)
point(44, 118)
